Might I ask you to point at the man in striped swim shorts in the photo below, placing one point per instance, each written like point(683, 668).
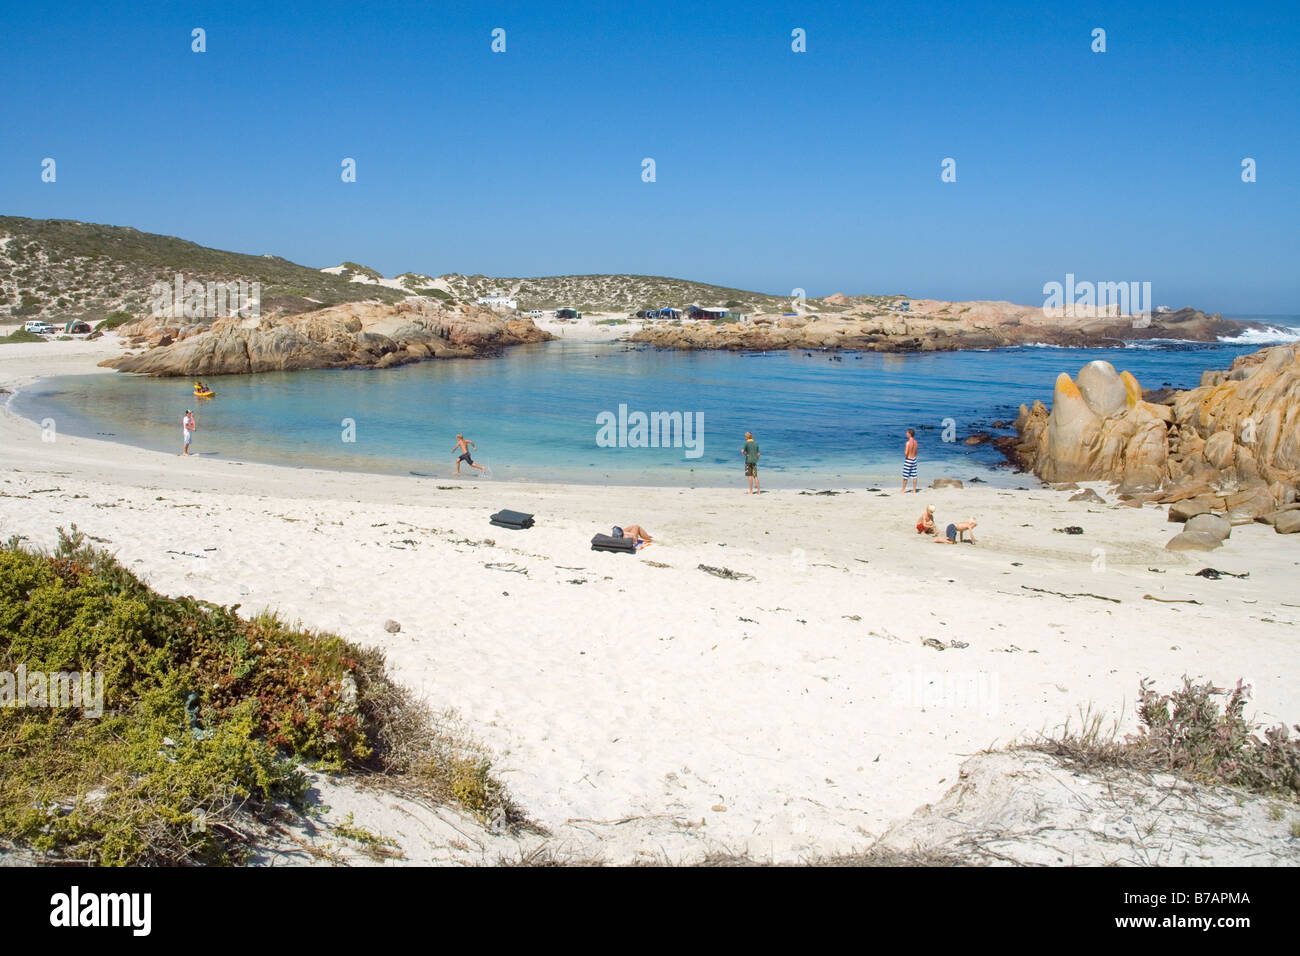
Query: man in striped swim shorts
point(909, 461)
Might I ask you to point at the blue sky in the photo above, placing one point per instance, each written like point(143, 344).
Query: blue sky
point(774, 169)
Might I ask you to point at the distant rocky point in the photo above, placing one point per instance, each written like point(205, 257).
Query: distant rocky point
point(936, 326)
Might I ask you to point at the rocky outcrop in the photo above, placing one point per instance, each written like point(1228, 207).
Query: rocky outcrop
point(933, 326)
point(1230, 446)
point(364, 335)
point(1099, 428)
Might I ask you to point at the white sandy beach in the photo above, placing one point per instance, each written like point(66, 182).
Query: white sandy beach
point(795, 713)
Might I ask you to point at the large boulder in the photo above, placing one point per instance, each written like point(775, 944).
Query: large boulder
point(1101, 387)
point(1208, 524)
point(1189, 508)
point(1073, 435)
point(1288, 522)
point(1253, 501)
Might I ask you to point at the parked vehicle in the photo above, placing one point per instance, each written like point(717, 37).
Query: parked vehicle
point(38, 328)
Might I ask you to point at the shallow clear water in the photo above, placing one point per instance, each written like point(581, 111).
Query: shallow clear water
point(819, 420)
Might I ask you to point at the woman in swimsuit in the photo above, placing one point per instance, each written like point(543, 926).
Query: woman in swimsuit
point(638, 534)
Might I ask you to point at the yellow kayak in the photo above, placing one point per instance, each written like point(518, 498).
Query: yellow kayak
point(204, 393)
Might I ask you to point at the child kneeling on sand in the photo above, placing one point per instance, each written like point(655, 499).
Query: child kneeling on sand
point(958, 531)
point(925, 523)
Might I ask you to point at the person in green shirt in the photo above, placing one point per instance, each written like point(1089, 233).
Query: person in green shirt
point(750, 451)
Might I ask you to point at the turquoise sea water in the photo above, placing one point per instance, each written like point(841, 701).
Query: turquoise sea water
point(820, 419)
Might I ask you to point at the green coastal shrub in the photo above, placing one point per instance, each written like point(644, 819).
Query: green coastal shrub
point(206, 718)
point(1189, 733)
point(116, 319)
point(21, 335)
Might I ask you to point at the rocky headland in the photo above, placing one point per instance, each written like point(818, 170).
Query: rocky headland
point(935, 326)
point(1222, 454)
point(353, 335)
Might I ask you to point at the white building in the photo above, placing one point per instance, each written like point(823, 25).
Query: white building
point(499, 301)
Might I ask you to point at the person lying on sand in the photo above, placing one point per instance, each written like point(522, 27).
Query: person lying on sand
point(637, 533)
point(925, 523)
point(956, 532)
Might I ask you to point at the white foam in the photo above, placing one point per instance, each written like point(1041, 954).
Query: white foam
point(1273, 335)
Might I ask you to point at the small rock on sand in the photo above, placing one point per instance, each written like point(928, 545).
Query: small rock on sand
point(946, 483)
point(1088, 495)
point(1193, 541)
point(1288, 522)
point(392, 627)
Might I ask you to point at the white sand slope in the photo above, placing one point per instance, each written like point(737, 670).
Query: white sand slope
point(792, 713)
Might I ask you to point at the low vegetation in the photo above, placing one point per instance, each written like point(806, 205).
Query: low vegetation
point(116, 320)
point(207, 720)
point(1190, 734)
point(20, 335)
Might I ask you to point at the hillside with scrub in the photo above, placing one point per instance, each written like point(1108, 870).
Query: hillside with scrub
point(57, 270)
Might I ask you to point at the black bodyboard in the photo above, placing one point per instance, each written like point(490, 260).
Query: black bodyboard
point(604, 542)
point(516, 520)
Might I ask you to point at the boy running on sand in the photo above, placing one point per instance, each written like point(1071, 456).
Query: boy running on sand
point(463, 445)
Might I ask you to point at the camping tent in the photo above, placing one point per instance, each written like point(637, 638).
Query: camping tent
point(77, 327)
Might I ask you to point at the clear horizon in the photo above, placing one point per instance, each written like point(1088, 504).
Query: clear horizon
point(774, 169)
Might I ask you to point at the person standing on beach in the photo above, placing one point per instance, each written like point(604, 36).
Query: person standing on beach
point(463, 445)
point(909, 461)
point(188, 426)
point(750, 451)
